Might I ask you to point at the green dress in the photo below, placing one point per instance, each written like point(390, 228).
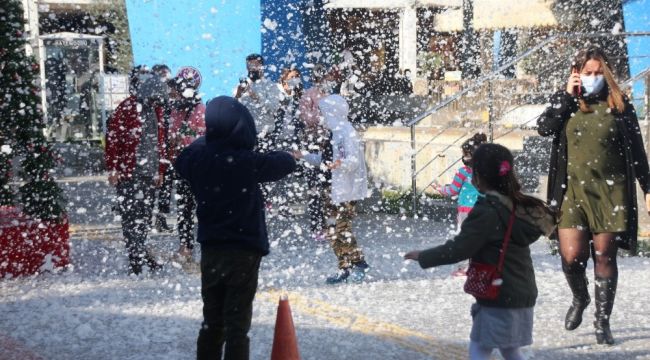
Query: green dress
point(595, 196)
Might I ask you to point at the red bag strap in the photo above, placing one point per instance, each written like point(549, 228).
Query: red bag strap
point(506, 239)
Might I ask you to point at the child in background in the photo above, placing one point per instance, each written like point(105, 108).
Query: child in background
point(462, 186)
point(505, 323)
point(349, 183)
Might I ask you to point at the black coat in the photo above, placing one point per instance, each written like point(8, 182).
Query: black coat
point(224, 173)
point(553, 122)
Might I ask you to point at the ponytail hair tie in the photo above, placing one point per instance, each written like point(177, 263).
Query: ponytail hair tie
point(504, 168)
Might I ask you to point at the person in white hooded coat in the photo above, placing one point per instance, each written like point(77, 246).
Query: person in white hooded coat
point(349, 183)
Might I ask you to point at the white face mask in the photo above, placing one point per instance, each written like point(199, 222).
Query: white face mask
point(293, 83)
point(188, 93)
point(592, 84)
point(144, 77)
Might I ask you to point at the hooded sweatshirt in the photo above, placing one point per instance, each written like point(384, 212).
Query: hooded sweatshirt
point(224, 174)
point(350, 179)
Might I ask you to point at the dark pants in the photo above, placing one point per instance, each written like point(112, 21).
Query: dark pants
point(315, 201)
point(136, 197)
point(165, 192)
point(186, 205)
point(228, 286)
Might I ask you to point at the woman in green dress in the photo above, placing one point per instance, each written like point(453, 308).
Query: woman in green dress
point(596, 156)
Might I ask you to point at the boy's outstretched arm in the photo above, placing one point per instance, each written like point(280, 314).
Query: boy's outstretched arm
point(274, 165)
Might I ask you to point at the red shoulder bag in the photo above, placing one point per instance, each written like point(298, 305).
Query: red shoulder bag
point(484, 280)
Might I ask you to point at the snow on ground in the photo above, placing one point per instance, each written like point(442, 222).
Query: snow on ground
point(93, 310)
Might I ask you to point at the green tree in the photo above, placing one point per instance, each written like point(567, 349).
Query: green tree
point(118, 38)
point(22, 122)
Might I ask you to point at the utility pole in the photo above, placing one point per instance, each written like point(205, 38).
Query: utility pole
point(469, 65)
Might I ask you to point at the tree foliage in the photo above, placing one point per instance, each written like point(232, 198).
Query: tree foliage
point(22, 122)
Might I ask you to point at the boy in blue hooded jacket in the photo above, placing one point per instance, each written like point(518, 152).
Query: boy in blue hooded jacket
point(224, 173)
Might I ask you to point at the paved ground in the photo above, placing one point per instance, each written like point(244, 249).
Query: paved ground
point(93, 310)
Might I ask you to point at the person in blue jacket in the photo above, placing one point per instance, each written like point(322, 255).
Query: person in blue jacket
point(224, 173)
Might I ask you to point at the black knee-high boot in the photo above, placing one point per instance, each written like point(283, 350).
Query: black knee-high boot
point(578, 284)
point(605, 294)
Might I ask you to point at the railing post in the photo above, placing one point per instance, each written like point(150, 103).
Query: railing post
point(490, 112)
point(414, 188)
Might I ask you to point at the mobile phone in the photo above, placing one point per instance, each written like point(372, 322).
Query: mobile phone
point(577, 90)
point(243, 84)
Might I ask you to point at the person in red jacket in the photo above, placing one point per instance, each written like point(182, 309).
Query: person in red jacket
point(187, 123)
point(134, 149)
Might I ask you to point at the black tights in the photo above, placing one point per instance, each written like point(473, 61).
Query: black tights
point(575, 249)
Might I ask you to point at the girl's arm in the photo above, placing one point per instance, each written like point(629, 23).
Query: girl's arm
point(453, 189)
point(551, 122)
point(474, 234)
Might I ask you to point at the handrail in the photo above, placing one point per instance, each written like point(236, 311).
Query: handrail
point(432, 139)
point(637, 77)
point(480, 81)
point(487, 78)
point(443, 150)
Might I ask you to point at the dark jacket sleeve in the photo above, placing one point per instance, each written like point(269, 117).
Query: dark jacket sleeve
point(551, 121)
point(467, 243)
point(182, 163)
point(274, 166)
point(641, 169)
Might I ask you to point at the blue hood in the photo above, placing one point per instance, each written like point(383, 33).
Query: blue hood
point(228, 122)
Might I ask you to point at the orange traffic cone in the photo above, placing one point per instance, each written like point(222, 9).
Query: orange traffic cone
point(285, 344)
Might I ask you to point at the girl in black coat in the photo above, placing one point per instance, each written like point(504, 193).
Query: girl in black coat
point(597, 154)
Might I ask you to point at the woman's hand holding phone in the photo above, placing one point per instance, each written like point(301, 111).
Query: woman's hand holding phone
point(574, 84)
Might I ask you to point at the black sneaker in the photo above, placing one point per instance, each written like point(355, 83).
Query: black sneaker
point(134, 269)
point(153, 265)
point(359, 271)
point(362, 265)
point(341, 276)
point(161, 224)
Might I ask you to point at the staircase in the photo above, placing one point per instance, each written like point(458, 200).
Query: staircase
point(532, 162)
point(531, 158)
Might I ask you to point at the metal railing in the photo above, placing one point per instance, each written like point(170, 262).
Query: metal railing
point(487, 79)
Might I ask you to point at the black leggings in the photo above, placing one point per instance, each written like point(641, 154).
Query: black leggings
point(186, 205)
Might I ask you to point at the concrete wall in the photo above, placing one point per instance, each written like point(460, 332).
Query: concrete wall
point(388, 153)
